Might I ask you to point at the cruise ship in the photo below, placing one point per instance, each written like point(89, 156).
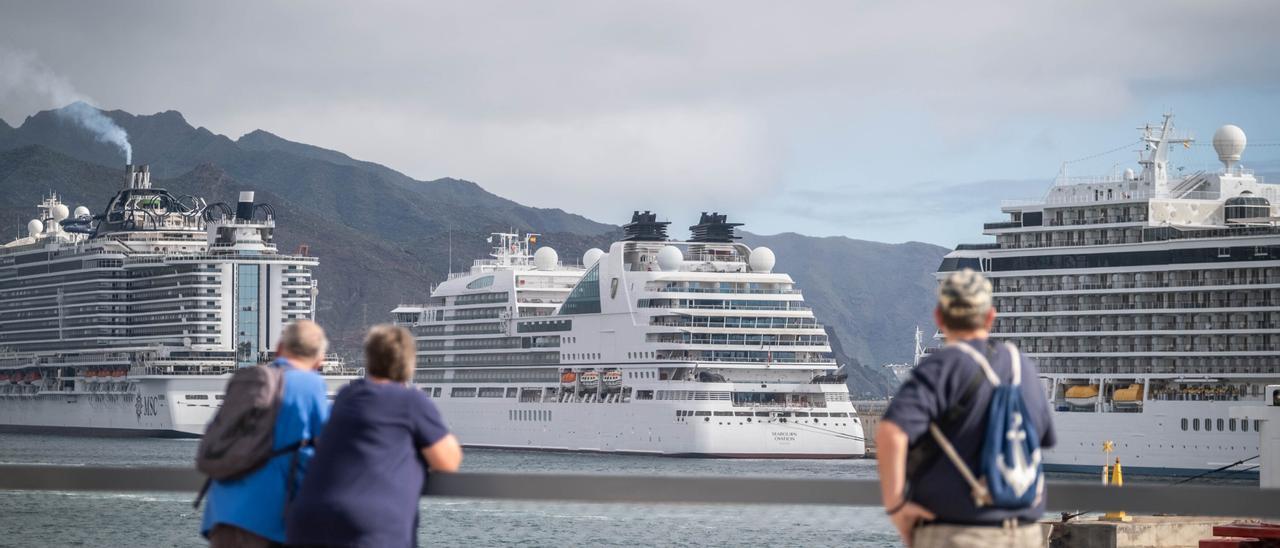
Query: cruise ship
point(1150, 301)
point(678, 348)
point(130, 321)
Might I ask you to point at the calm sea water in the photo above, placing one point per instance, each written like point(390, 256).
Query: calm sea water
point(164, 519)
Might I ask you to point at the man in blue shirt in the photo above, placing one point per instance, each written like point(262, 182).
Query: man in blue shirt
point(250, 511)
point(939, 509)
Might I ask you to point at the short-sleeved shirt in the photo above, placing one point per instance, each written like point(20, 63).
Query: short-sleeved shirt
point(935, 385)
point(256, 502)
point(364, 485)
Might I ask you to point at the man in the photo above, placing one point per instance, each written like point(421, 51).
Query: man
point(250, 511)
point(939, 509)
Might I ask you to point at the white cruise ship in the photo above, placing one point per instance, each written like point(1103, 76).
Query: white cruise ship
point(655, 347)
point(1151, 302)
point(130, 321)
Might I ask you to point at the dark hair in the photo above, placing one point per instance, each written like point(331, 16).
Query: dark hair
point(965, 320)
point(389, 353)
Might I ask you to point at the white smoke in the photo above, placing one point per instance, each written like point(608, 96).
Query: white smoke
point(23, 77)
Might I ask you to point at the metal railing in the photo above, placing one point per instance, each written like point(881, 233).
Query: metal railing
point(1230, 501)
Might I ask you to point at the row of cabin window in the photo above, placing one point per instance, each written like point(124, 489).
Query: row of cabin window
point(583, 356)
point(1230, 424)
point(640, 374)
point(641, 355)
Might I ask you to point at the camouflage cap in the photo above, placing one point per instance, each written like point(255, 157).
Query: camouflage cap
point(964, 293)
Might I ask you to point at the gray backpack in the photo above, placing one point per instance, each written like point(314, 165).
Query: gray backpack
point(240, 437)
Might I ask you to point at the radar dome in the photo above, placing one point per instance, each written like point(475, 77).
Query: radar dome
point(762, 259)
point(1229, 141)
point(60, 212)
point(34, 226)
point(670, 258)
point(592, 256)
point(1128, 174)
point(546, 259)
point(82, 211)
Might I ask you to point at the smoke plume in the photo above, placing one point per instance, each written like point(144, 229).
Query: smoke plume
point(25, 78)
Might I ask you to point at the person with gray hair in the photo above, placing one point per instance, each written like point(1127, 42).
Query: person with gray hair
point(249, 511)
point(927, 495)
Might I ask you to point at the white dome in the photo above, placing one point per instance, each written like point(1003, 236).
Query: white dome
point(82, 211)
point(34, 226)
point(591, 257)
point(546, 259)
point(1229, 141)
point(60, 212)
point(1128, 174)
point(762, 259)
point(670, 258)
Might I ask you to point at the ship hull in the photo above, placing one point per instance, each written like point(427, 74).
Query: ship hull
point(1153, 441)
point(145, 406)
point(650, 428)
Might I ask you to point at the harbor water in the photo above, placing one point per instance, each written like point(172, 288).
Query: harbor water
point(167, 519)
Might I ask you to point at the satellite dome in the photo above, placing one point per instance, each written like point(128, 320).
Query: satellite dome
point(82, 211)
point(546, 259)
point(1128, 174)
point(591, 257)
point(1229, 141)
point(670, 258)
point(34, 226)
point(762, 259)
point(60, 212)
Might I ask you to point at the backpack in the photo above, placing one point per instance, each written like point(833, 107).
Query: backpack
point(240, 437)
point(1012, 476)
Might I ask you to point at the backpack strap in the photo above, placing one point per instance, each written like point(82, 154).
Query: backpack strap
point(981, 495)
point(982, 362)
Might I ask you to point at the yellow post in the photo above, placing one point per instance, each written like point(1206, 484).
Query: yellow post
point(1117, 479)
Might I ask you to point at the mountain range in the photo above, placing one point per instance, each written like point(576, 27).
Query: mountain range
point(383, 237)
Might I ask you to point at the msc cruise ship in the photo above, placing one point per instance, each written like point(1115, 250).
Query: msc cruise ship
point(131, 320)
point(693, 348)
point(1151, 302)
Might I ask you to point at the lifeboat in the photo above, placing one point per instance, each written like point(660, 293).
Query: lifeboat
point(589, 379)
point(1128, 397)
point(568, 378)
point(117, 373)
point(612, 379)
point(1082, 395)
point(4, 378)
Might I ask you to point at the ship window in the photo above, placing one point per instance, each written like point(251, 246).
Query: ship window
point(1184, 424)
point(644, 394)
point(585, 297)
point(1208, 425)
point(1195, 425)
point(459, 392)
point(1232, 425)
point(724, 413)
point(702, 413)
point(480, 283)
point(1244, 425)
point(1257, 426)
point(1220, 421)
point(435, 392)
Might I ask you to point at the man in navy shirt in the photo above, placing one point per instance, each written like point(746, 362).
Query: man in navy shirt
point(939, 509)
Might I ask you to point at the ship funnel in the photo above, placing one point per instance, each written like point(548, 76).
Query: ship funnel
point(244, 207)
point(137, 176)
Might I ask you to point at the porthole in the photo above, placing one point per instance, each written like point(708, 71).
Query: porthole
point(1184, 424)
point(1195, 425)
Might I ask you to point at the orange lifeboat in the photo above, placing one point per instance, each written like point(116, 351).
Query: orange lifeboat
point(612, 379)
point(569, 377)
point(117, 373)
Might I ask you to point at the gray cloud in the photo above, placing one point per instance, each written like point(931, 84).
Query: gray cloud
point(601, 107)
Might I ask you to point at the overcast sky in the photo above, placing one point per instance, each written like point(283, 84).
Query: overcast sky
point(887, 121)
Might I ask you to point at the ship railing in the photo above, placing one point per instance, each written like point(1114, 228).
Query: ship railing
point(1226, 501)
point(1265, 280)
point(1255, 303)
point(1158, 330)
point(726, 291)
